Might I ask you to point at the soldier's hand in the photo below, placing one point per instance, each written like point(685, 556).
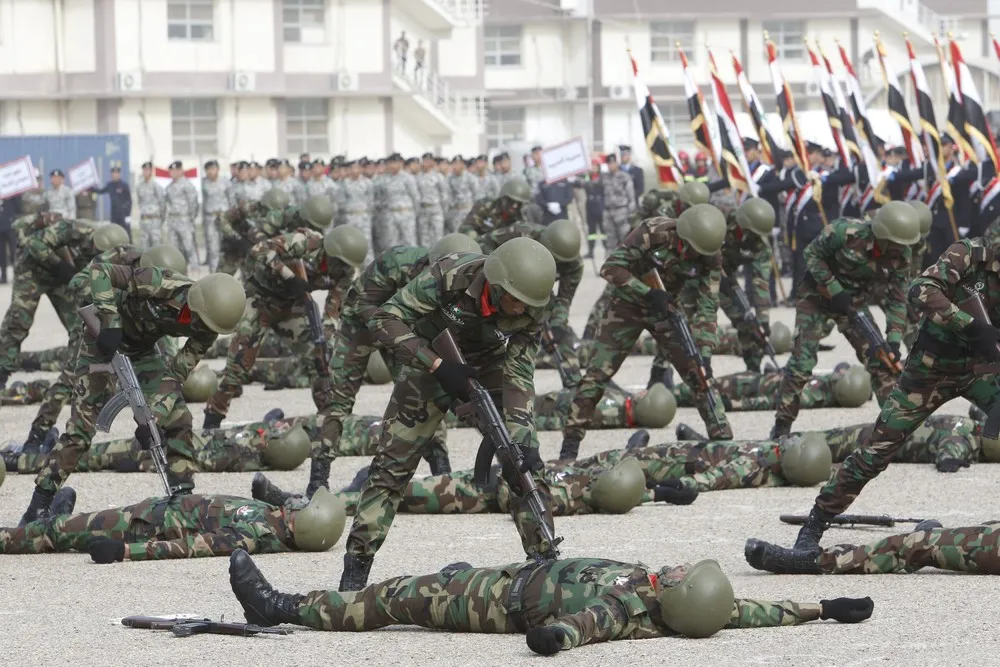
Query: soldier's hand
point(531, 461)
point(108, 342)
point(105, 550)
point(766, 328)
point(545, 640)
point(64, 273)
point(707, 368)
point(659, 301)
point(673, 492)
point(841, 303)
point(454, 378)
point(896, 352)
point(951, 465)
point(982, 339)
point(297, 287)
point(144, 436)
point(847, 610)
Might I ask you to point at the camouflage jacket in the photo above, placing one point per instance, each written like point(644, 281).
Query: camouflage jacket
point(655, 244)
point(254, 222)
point(739, 248)
point(123, 255)
point(269, 272)
point(196, 526)
point(44, 246)
point(615, 410)
point(845, 257)
point(449, 295)
point(569, 274)
point(485, 217)
point(938, 438)
point(383, 278)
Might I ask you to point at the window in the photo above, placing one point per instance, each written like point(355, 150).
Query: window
point(502, 45)
point(788, 37)
point(195, 127)
point(304, 21)
point(504, 125)
point(191, 19)
point(663, 39)
point(306, 127)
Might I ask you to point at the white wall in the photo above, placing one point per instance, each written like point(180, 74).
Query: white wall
point(78, 35)
point(354, 40)
point(542, 60)
point(248, 129)
point(548, 124)
point(409, 141)
point(27, 41)
point(622, 126)
point(357, 126)
point(457, 56)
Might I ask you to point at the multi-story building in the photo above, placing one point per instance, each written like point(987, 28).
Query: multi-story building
point(230, 79)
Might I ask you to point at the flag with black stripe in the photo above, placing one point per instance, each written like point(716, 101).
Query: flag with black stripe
point(769, 148)
point(655, 132)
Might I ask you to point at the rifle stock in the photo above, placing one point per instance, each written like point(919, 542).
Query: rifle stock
point(975, 307)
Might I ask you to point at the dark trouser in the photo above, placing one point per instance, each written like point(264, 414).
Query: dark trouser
point(594, 229)
point(937, 242)
point(807, 228)
point(8, 250)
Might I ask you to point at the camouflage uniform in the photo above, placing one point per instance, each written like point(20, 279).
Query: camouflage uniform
point(938, 369)
point(694, 281)
point(41, 253)
point(359, 201)
point(86, 206)
point(61, 200)
point(152, 204)
point(938, 439)
point(214, 203)
point(746, 392)
point(844, 258)
point(271, 308)
point(190, 526)
point(433, 192)
point(24, 393)
point(445, 296)
point(181, 208)
point(745, 247)
point(486, 217)
point(615, 410)
point(147, 304)
point(534, 177)
point(321, 187)
point(248, 224)
point(619, 202)
point(399, 200)
point(294, 189)
point(462, 194)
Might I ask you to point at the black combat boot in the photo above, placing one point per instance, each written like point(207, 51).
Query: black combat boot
point(753, 365)
point(319, 475)
point(927, 524)
point(356, 569)
point(685, 432)
point(655, 375)
point(769, 557)
point(273, 415)
point(668, 379)
point(781, 429)
point(262, 605)
point(38, 508)
point(30, 365)
point(812, 530)
point(212, 420)
point(263, 489)
point(4, 376)
point(360, 477)
point(36, 436)
point(10, 455)
point(638, 440)
point(570, 449)
point(437, 458)
point(63, 502)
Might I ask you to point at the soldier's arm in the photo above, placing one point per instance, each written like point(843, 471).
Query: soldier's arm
point(41, 245)
point(895, 302)
point(195, 348)
point(617, 268)
point(391, 322)
point(928, 294)
point(273, 252)
point(570, 277)
point(128, 198)
point(519, 385)
point(605, 619)
point(818, 255)
point(192, 197)
point(760, 291)
point(704, 320)
point(763, 614)
point(204, 545)
point(411, 187)
point(161, 198)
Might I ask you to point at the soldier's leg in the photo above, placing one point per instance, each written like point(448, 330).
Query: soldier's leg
point(568, 345)
point(748, 347)
point(809, 322)
point(164, 395)
point(882, 379)
point(709, 403)
point(597, 314)
point(213, 236)
point(243, 348)
point(454, 493)
point(61, 391)
point(969, 549)
point(63, 533)
point(610, 233)
point(17, 321)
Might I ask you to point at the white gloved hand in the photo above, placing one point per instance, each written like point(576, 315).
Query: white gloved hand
point(963, 231)
point(554, 207)
point(128, 220)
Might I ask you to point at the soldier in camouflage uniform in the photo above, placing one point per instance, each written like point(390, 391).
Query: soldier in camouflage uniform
point(559, 604)
point(619, 202)
point(926, 216)
point(685, 253)
point(434, 201)
point(33, 201)
point(533, 173)
point(277, 300)
point(181, 209)
point(846, 266)
point(490, 214)
point(213, 204)
point(137, 307)
point(461, 194)
point(151, 202)
point(59, 197)
point(359, 202)
point(290, 184)
point(939, 368)
point(493, 306)
point(251, 222)
point(237, 183)
point(398, 200)
point(86, 205)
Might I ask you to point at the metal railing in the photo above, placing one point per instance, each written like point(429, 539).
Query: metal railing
point(461, 108)
point(466, 11)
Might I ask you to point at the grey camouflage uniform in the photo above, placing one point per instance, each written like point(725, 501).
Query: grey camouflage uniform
point(399, 200)
point(619, 202)
point(151, 201)
point(359, 202)
point(62, 200)
point(462, 190)
point(214, 203)
point(181, 201)
point(322, 187)
point(253, 190)
point(296, 191)
point(534, 177)
point(234, 189)
point(433, 201)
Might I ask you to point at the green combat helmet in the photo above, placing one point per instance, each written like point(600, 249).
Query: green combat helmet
point(898, 222)
point(321, 523)
point(990, 446)
point(109, 236)
point(781, 338)
point(516, 189)
point(348, 244)
point(924, 215)
point(619, 489)
point(806, 462)
point(287, 451)
point(378, 372)
point(218, 300)
point(655, 408)
point(562, 238)
point(200, 384)
point(275, 199)
point(700, 604)
point(703, 227)
point(757, 216)
point(853, 388)
point(693, 193)
point(650, 202)
point(524, 268)
point(450, 243)
point(318, 212)
point(166, 257)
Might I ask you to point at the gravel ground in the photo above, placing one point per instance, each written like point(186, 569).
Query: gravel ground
point(61, 609)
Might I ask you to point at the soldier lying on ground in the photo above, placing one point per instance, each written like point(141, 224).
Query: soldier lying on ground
point(558, 604)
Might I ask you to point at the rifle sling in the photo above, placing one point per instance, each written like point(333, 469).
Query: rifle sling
point(515, 595)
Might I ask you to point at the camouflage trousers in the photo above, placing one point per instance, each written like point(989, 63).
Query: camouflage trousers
point(24, 393)
point(60, 392)
point(746, 392)
point(938, 438)
point(811, 318)
point(149, 232)
point(928, 382)
point(362, 221)
point(94, 390)
point(616, 226)
point(455, 216)
point(617, 333)
point(614, 410)
point(26, 292)
point(729, 344)
point(748, 347)
point(262, 314)
point(430, 225)
point(179, 231)
point(415, 411)
point(50, 359)
point(971, 549)
point(271, 346)
point(213, 239)
point(72, 532)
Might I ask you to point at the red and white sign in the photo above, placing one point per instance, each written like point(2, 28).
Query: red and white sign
point(83, 176)
point(561, 161)
point(16, 177)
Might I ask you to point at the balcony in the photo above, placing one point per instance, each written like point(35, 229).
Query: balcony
point(439, 17)
point(434, 107)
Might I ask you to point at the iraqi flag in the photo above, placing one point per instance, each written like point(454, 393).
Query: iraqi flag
point(696, 110)
point(955, 125)
point(864, 131)
point(730, 141)
point(768, 146)
point(984, 150)
point(897, 108)
point(786, 107)
point(655, 132)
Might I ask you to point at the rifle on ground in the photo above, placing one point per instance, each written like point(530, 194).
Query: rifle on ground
point(974, 306)
point(851, 520)
point(481, 411)
point(129, 395)
point(749, 316)
point(316, 333)
point(551, 346)
point(185, 627)
point(877, 347)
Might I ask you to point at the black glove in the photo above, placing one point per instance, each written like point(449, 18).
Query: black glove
point(659, 301)
point(706, 368)
point(766, 328)
point(454, 378)
point(545, 640)
point(951, 465)
point(673, 492)
point(983, 339)
point(894, 348)
point(108, 342)
point(144, 436)
point(297, 288)
point(532, 461)
point(847, 610)
point(841, 303)
point(105, 550)
point(64, 272)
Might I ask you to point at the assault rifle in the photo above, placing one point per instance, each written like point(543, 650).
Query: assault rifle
point(129, 395)
point(974, 307)
point(482, 412)
point(551, 345)
point(185, 627)
point(749, 315)
point(315, 324)
point(851, 520)
point(877, 347)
